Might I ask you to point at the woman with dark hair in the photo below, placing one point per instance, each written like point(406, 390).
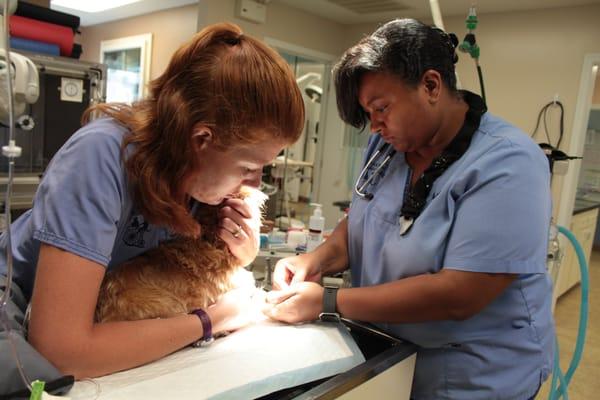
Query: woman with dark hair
point(446, 237)
point(225, 106)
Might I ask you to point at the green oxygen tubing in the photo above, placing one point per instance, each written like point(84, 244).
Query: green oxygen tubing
point(557, 374)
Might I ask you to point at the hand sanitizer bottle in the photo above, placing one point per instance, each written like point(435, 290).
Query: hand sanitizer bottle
point(315, 228)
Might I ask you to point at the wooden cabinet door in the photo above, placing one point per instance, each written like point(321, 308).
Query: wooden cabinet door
point(583, 226)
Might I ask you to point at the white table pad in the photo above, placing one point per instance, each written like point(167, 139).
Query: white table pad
point(249, 363)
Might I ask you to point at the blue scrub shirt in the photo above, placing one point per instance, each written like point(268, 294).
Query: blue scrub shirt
point(490, 213)
point(84, 206)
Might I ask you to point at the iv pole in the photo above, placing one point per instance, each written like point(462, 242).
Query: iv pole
point(436, 14)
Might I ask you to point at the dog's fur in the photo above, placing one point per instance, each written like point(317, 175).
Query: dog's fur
point(176, 277)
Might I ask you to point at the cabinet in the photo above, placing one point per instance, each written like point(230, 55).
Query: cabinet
point(583, 226)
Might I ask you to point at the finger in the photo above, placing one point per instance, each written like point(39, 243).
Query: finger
point(233, 227)
point(278, 296)
point(244, 215)
point(270, 311)
point(299, 276)
point(281, 278)
point(228, 212)
point(239, 206)
point(275, 312)
point(281, 312)
point(229, 238)
point(248, 225)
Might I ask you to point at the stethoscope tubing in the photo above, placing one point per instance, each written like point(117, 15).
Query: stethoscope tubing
point(360, 191)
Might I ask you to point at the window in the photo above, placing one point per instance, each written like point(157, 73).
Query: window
point(128, 64)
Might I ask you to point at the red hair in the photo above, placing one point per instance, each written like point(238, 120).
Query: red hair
point(234, 84)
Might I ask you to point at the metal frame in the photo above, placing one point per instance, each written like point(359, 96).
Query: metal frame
point(25, 184)
point(360, 374)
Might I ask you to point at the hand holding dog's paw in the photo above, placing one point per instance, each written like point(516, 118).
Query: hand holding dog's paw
point(298, 302)
point(236, 309)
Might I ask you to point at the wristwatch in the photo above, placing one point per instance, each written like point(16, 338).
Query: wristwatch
point(207, 337)
point(329, 313)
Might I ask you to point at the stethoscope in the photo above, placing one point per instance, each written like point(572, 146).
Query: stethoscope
point(360, 189)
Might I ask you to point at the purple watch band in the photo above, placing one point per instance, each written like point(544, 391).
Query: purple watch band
point(207, 337)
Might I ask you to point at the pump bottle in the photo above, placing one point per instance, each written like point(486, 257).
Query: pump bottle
point(315, 228)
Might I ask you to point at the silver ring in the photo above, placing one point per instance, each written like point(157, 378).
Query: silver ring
point(236, 234)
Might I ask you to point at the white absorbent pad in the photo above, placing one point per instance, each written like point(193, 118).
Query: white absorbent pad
point(249, 363)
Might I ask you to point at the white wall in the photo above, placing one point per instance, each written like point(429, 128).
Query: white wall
point(528, 57)
point(283, 23)
point(169, 28)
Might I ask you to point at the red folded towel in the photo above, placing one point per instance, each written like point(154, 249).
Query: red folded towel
point(32, 29)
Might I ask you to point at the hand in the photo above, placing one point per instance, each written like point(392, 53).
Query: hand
point(236, 309)
point(239, 229)
point(299, 302)
point(291, 270)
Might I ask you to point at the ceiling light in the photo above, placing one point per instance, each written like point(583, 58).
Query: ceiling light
point(91, 6)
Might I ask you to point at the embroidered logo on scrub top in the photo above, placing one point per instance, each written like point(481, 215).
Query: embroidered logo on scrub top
point(134, 234)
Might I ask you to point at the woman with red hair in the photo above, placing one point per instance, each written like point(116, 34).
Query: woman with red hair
point(225, 106)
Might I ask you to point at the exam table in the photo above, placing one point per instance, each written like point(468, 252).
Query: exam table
point(271, 360)
point(313, 361)
point(387, 372)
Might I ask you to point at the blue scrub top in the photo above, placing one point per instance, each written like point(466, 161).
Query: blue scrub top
point(84, 206)
point(490, 213)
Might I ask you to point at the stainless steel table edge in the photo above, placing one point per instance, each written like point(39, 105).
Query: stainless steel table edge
point(358, 375)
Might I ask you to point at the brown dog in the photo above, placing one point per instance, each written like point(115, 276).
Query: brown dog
point(178, 276)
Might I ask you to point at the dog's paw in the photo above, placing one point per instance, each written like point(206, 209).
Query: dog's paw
point(243, 278)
